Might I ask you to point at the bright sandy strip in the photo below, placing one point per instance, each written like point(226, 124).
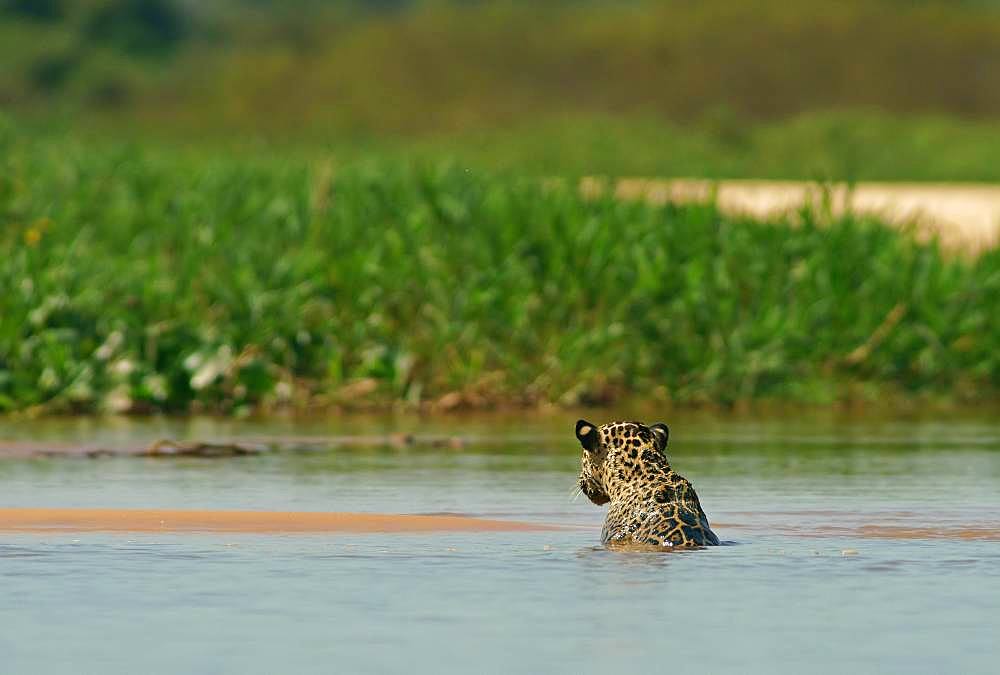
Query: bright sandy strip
point(291, 522)
point(966, 217)
point(263, 522)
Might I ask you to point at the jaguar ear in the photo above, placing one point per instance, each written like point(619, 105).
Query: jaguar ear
point(587, 434)
point(662, 432)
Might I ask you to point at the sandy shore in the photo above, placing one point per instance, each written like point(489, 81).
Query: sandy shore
point(69, 520)
point(261, 522)
point(966, 217)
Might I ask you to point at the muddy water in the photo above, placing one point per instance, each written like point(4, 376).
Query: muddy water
point(857, 546)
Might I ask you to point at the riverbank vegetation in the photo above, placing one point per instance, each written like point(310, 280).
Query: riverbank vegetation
point(144, 279)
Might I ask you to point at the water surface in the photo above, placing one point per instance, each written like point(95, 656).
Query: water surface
point(858, 546)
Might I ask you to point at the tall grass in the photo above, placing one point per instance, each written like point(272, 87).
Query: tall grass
point(134, 279)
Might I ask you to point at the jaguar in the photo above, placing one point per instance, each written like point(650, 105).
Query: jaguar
point(624, 464)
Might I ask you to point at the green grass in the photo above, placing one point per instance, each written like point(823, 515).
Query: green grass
point(150, 279)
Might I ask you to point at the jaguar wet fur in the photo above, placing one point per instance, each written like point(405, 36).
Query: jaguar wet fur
point(624, 464)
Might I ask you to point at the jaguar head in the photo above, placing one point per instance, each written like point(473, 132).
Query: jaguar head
point(614, 450)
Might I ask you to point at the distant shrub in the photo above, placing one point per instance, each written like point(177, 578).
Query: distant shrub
point(138, 27)
point(52, 71)
point(39, 10)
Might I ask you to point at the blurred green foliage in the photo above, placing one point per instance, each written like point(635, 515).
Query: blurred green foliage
point(845, 146)
point(888, 89)
point(142, 279)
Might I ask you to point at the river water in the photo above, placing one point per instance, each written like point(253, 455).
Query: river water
point(855, 546)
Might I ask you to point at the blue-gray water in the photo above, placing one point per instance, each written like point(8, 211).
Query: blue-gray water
point(802, 590)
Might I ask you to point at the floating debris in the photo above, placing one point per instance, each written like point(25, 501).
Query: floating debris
point(168, 448)
point(235, 447)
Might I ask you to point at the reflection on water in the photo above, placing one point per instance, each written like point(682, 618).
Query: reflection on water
point(865, 546)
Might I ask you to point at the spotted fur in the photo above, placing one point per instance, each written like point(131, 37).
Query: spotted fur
point(624, 464)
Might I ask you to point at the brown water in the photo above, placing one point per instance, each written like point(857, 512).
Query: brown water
point(868, 546)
